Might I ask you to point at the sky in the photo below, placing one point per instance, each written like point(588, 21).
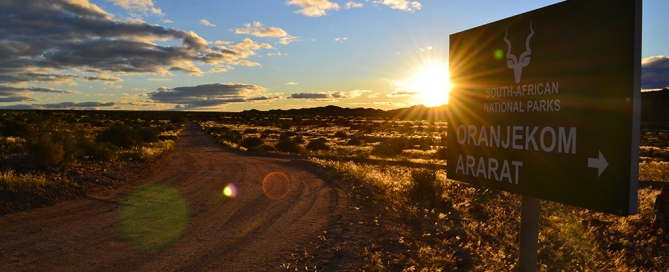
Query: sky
point(235, 55)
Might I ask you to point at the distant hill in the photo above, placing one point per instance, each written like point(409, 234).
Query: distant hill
point(418, 112)
point(655, 107)
point(654, 110)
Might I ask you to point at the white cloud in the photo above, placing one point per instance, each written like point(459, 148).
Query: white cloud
point(655, 72)
point(134, 6)
point(259, 30)
point(405, 5)
point(292, 83)
point(313, 8)
point(206, 23)
point(351, 4)
point(341, 39)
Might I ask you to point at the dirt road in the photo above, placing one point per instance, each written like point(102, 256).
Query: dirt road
point(181, 221)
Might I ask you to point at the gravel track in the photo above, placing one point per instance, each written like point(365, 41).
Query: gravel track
point(250, 232)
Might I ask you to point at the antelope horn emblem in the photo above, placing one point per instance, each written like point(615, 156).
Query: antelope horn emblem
point(517, 64)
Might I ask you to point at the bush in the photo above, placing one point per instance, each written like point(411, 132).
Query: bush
point(266, 148)
point(299, 140)
point(252, 142)
point(341, 134)
point(134, 155)
point(287, 145)
point(391, 147)
point(354, 141)
point(385, 150)
point(45, 151)
point(121, 136)
point(104, 151)
point(149, 135)
point(425, 186)
point(318, 144)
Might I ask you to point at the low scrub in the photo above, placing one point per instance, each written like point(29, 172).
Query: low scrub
point(121, 136)
point(477, 229)
point(11, 182)
point(318, 144)
point(104, 151)
point(425, 185)
point(289, 146)
point(46, 151)
point(252, 142)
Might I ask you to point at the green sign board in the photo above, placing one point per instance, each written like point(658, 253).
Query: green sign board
point(546, 104)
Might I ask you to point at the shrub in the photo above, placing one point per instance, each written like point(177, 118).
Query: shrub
point(386, 150)
point(299, 140)
point(149, 135)
point(12, 145)
point(318, 144)
point(266, 148)
point(252, 142)
point(104, 151)
point(391, 147)
point(341, 134)
point(287, 145)
point(134, 155)
point(14, 128)
point(354, 141)
point(121, 136)
point(425, 185)
point(45, 151)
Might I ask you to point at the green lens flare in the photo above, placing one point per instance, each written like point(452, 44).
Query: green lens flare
point(499, 54)
point(153, 217)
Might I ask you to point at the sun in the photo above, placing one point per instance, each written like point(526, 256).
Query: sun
point(432, 83)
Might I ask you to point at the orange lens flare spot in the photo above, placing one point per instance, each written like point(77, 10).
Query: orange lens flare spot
point(230, 190)
point(276, 185)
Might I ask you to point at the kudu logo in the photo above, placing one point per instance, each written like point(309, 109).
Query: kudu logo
point(517, 64)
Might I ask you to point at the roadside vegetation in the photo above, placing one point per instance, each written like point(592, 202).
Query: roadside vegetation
point(47, 153)
point(454, 226)
point(382, 139)
point(446, 225)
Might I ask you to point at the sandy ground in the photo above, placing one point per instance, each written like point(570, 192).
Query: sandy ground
point(182, 221)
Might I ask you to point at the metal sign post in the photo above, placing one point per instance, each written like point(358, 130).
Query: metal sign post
point(530, 213)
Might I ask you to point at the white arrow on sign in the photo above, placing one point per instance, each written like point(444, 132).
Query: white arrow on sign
point(599, 163)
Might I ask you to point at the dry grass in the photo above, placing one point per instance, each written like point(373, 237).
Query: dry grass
point(152, 150)
point(10, 181)
point(654, 171)
point(477, 229)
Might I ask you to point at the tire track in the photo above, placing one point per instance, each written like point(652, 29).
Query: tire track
point(247, 233)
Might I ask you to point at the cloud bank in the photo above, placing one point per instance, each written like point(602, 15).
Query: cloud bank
point(210, 95)
point(47, 38)
point(655, 72)
point(327, 96)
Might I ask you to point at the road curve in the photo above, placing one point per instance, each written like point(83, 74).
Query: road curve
point(250, 232)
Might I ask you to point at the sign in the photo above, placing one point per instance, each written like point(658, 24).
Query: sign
point(546, 104)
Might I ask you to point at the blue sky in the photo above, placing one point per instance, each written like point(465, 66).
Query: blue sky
point(251, 54)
